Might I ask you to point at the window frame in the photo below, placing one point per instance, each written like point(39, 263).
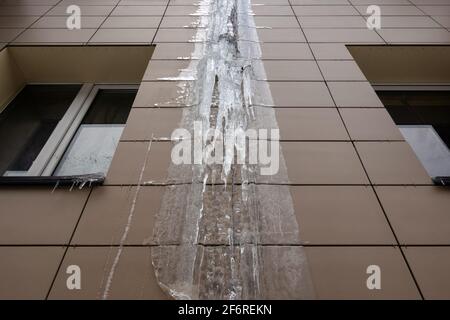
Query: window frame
point(48, 159)
point(438, 180)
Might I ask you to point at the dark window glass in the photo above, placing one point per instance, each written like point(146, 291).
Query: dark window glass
point(110, 106)
point(423, 118)
point(420, 108)
point(29, 120)
point(404, 115)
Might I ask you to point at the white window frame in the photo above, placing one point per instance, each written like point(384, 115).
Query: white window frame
point(427, 164)
point(56, 145)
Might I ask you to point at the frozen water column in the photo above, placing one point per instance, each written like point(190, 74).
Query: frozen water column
point(229, 233)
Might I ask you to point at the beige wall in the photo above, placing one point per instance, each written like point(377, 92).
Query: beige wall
point(11, 78)
point(399, 64)
point(93, 64)
point(360, 195)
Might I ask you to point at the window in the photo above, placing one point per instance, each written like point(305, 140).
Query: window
point(63, 130)
point(422, 114)
point(92, 147)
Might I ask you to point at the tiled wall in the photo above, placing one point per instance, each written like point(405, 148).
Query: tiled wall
point(360, 194)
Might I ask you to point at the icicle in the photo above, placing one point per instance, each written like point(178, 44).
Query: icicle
point(56, 186)
point(216, 245)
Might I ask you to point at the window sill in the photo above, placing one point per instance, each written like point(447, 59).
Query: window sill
point(80, 180)
point(441, 181)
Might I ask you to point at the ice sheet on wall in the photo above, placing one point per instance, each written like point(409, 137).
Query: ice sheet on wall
point(229, 232)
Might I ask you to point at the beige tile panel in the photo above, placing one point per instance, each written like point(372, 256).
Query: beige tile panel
point(391, 10)
point(392, 163)
point(342, 35)
point(28, 215)
point(108, 211)
point(286, 51)
point(179, 22)
point(144, 36)
point(419, 215)
point(89, 2)
point(174, 51)
point(291, 71)
point(298, 94)
point(28, 10)
point(160, 94)
point(88, 22)
point(59, 36)
point(152, 123)
point(146, 2)
point(310, 124)
point(267, 2)
point(443, 20)
point(415, 35)
point(370, 124)
point(272, 10)
point(7, 35)
point(276, 22)
point(332, 22)
point(167, 69)
point(354, 94)
point(380, 2)
point(29, 2)
point(343, 10)
point(429, 2)
point(408, 22)
point(27, 272)
point(341, 70)
point(436, 10)
point(280, 35)
point(322, 2)
point(430, 266)
point(90, 64)
point(337, 215)
point(181, 2)
point(17, 22)
point(138, 11)
point(60, 10)
point(404, 64)
point(132, 278)
point(130, 158)
point(330, 51)
point(132, 22)
point(176, 35)
point(185, 10)
point(322, 163)
point(340, 273)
